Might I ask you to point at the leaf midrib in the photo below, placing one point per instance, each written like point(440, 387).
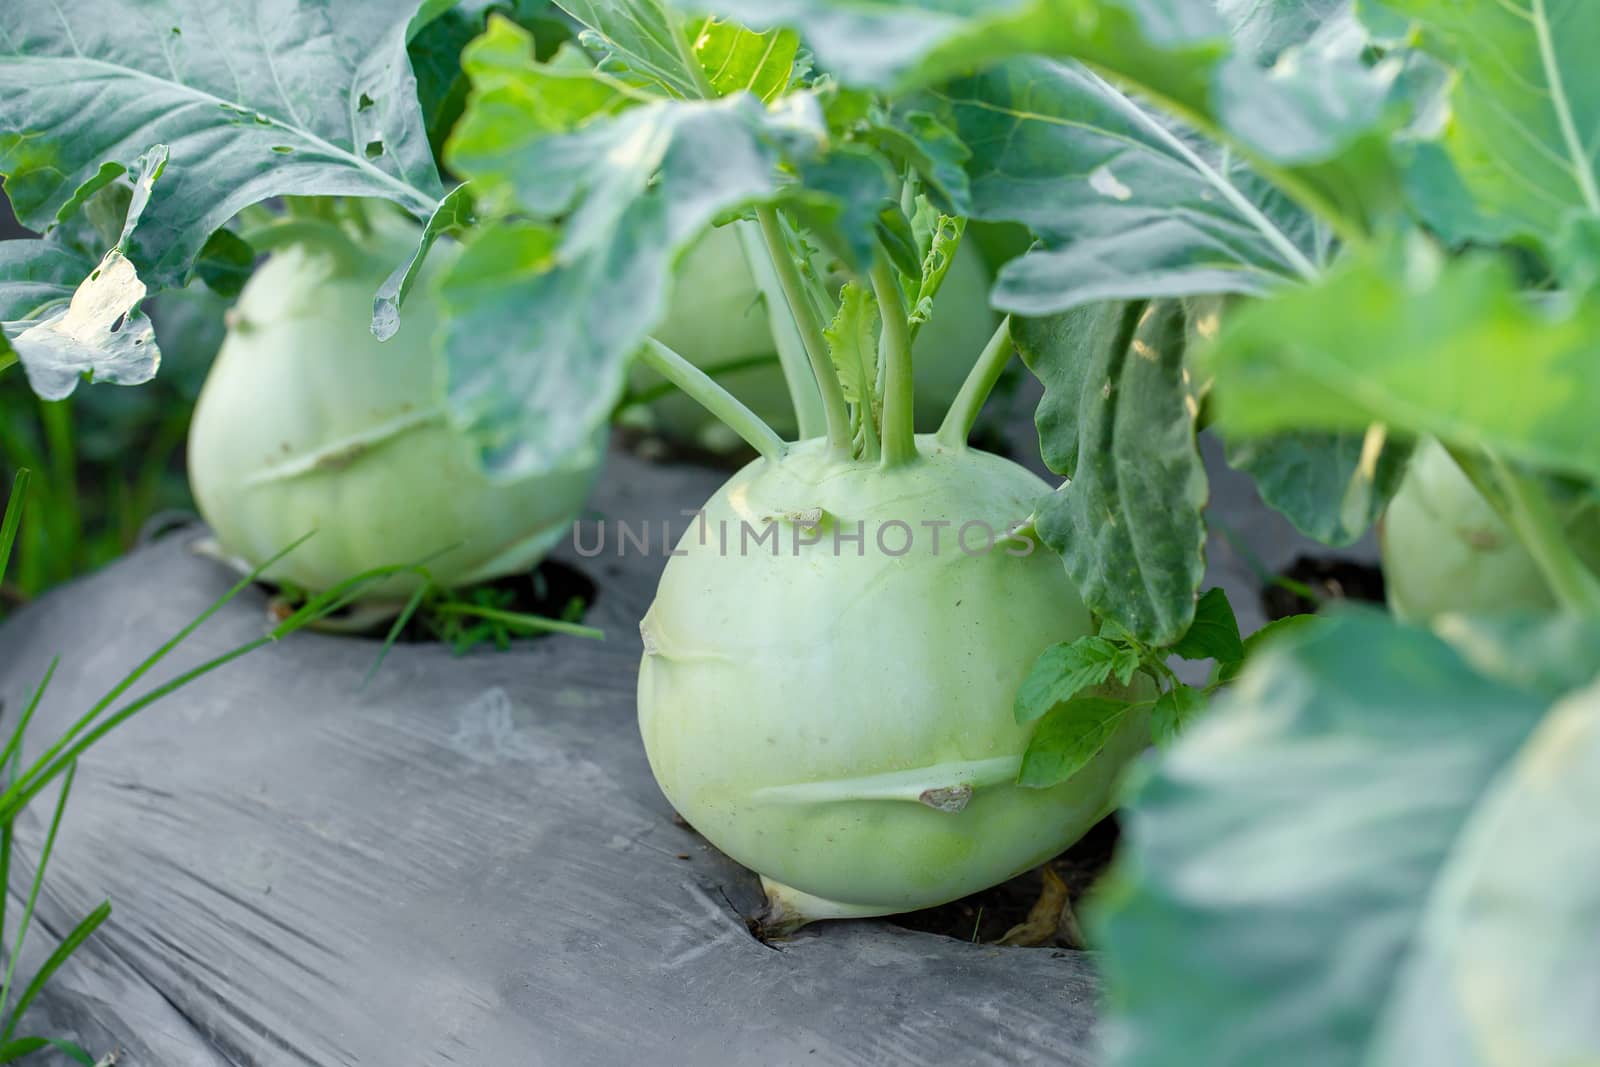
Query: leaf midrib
point(1582, 166)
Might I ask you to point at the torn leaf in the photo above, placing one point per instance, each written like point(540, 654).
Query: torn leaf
point(101, 334)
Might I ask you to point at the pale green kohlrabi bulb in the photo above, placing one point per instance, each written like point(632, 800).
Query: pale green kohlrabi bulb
point(718, 317)
point(842, 723)
point(307, 423)
point(1446, 551)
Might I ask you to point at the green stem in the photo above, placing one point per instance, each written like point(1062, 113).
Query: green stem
point(899, 397)
point(714, 372)
point(520, 620)
point(958, 421)
point(791, 349)
point(8, 359)
point(714, 398)
point(1525, 507)
point(835, 412)
point(1543, 534)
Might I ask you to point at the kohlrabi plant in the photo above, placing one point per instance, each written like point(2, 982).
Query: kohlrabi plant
point(308, 422)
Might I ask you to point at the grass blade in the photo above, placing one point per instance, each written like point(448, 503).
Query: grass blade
point(14, 1050)
point(394, 632)
point(14, 745)
point(33, 894)
point(69, 944)
point(521, 621)
point(145, 667)
point(13, 519)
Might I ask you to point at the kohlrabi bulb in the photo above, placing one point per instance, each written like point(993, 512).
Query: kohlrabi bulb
point(835, 713)
point(718, 317)
point(307, 423)
point(1446, 551)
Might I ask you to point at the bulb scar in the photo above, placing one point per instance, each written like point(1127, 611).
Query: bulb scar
point(950, 798)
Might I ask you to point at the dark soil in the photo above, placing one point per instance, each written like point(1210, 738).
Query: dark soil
point(986, 917)
point(1329, 579)
point(553, 590)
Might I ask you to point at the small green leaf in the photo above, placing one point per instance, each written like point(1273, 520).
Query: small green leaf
point(1061, 672)
point(1068, 738)
point(1174, 709)
point(1125, 663)
point(853, 342)
point(1214, 634)
point(1272, 631)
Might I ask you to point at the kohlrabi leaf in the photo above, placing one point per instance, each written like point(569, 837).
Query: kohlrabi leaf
point(1119, 404)
point(1454, 351)
point(313, 99)
point(1061, 672)
point(1127, 206)
point(897, 44)
point(35, 274)
point(735, 60)
point(1525, 107)
point(1068, 737)
point(919, 142)
point(435, 53)
point(841, 201)
point(1214, 634)
point(853, 342)
point(544, 320)
point(1265, 28)
point(1324, 483)
point(1367, 848)
point(101, 333)
point(1318, 121)
point(453, 216)
point(644, 37)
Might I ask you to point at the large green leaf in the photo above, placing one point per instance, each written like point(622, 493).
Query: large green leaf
point(1318, 122)
point(1267, 28)
point(544, 320)
point(1366, 853)
point(1526, 105)
point(1453, 351)
point(255, 100)
point(1324, 483)
point(36, 273)
point(1118, 419)
point(894, 44)
point(1126, 205)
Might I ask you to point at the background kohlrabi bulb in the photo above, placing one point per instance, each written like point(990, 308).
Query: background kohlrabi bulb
point(718, 317)
point(307, 423)
point(1447, 551)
